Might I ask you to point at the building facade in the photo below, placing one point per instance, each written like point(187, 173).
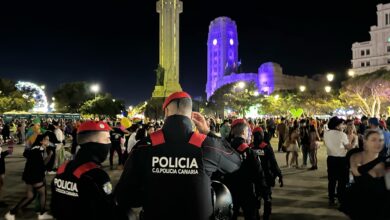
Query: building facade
point(223, 65)
point(373, 55)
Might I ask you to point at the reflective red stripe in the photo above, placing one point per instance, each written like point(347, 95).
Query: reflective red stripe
point(84, 168)
point(61, 169)
point(242, 147)
point(263, 145)
point(197, 139)
point(157, 138)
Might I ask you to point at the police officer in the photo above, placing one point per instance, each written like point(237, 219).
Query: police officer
point(168, 174)
point(81, 189)
point(247, 184)
point(270, 166)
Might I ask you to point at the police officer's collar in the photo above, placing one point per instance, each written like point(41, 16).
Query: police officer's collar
point(177, 124)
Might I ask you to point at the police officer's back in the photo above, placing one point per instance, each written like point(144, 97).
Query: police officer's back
point(169, 174)
point(248, 183)
point(270, 166)
point(81, 189)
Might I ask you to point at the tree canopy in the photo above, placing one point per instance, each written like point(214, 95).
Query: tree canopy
point(368, 92)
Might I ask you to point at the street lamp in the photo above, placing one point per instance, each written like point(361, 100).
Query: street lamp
point(241, 85)
point(256, 93)
point(43, 86)
point(95, 88)
point(351, 73)
point(53, 99)
point(277, 97)
point(113, 100)
point(328, 89)
point(302, 88)
point(330, 77)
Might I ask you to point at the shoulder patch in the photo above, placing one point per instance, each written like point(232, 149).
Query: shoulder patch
point(242, 147)
point(107, 188)
point(197, 139)
point(157, 138)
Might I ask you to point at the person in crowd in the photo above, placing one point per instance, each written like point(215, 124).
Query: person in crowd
point(352, 135)
point(282, 129)
point(375, 124)
point(5, 132)
point(337, 144)
point(368, 197)
point(247, 184)
point(34, 177)
point(117, 135)
point(82, 189)
point(270, 166)
point(225, 129)
point(3, 155)
point(304, 140)
point(363, 125)
point(314, 139)
point(148, 181)
point(292, 147)
point(132, 141)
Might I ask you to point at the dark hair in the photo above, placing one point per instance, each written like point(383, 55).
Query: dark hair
point(238, 129)
point(141, 134)
point(312, 128)
point(370, 132)
point(39, 139)
point(258, 137)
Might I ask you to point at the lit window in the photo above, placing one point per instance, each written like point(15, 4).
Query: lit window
point(215, 42)
point(231, 41)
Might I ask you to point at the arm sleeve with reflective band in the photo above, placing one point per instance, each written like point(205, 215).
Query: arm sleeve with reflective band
point(218, 155)
point(274, 164)
point(130, 189)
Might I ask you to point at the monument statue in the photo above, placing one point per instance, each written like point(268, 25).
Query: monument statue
point(168, 80)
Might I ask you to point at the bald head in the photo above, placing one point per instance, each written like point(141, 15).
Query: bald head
point(179, 107)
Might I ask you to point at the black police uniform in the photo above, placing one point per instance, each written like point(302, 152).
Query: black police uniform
point(169, 174)
point(271, 170)
point(82, 190)
point(248, 183)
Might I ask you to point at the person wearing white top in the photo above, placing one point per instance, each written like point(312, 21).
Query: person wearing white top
point(131, 143)
point(337, 144)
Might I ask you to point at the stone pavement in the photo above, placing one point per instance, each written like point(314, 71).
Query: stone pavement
point(304, 196)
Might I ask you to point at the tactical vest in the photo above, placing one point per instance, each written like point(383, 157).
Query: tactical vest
point(177, 186)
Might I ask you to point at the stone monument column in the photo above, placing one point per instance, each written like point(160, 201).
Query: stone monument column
point(169, 11)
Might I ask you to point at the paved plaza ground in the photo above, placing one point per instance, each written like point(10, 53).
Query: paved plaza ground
point(304, 196)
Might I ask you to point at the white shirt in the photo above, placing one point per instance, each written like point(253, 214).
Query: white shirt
point(131, 143)
point(59, 134)
point(334, 141)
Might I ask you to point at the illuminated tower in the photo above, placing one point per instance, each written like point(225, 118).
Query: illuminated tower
point(222, 52)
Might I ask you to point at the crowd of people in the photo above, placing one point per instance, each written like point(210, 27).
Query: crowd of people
point(169, 155)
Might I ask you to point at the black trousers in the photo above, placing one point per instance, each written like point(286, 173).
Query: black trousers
point(248, 205)
point(337, 175)
point(267, 198)
point(281, 142)
point(116, 148)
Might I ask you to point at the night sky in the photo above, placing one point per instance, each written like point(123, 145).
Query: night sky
point(115, 42)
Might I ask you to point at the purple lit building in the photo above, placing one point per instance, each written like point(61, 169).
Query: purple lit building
point(223, 64)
